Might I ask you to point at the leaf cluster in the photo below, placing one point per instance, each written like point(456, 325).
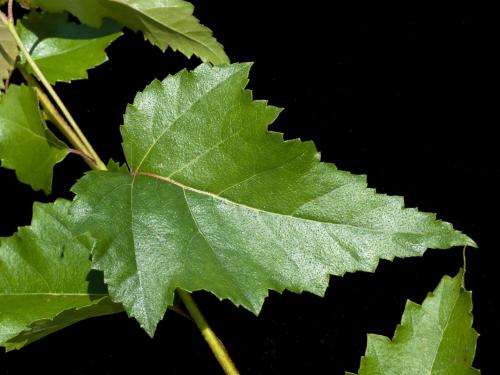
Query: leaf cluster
point(209, 198)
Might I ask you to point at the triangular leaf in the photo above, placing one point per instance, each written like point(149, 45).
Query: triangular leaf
point(435, 338)
point(216, 202)
point(166, 23)
point(24, 142)
point(8, 54)
point(63, 50)
point(46, 282)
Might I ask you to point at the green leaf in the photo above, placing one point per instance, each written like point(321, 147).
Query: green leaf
point(166, 23)
point(435, 338)
point(216, 202)
point(25, 142)
point(63, 50)
point(46, 282)
point(8, 54)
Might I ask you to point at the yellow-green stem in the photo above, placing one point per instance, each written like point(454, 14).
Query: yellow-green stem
point(10, 10)
point(88, 149)
point(214, 343)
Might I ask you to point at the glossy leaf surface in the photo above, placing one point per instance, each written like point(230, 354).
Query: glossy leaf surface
point(216, 202)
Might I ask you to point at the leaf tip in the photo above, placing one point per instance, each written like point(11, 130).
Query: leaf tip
point(470, 242)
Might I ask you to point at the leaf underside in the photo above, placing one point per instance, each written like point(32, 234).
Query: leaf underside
point(165, 23)
point(46, 282)
point(26, 144)
point(217, 202)
point(63, 50)
point(434, 338)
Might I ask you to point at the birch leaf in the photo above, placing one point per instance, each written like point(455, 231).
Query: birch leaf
point(46, 282)
point(165, 23)
point(217, 202)
point(26, 144)
point(434, 338)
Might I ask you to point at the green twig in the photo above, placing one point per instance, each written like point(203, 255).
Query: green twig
point(214, 343)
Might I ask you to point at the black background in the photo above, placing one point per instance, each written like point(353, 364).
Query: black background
point(402, 97)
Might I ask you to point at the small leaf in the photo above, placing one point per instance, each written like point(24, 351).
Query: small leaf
point(24, 142)
point(435, 338)
point(216, 202)
point(166, 23)
point(8, 54)
point(46, 282)
point(63, 50)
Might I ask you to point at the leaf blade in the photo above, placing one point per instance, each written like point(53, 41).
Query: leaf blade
point(165, 23)
point(433, 338)
point(232, 208)
point(63, 50)
point(45, 275)
point(24, 142)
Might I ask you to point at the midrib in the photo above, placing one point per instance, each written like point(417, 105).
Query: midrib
point(218, 197)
